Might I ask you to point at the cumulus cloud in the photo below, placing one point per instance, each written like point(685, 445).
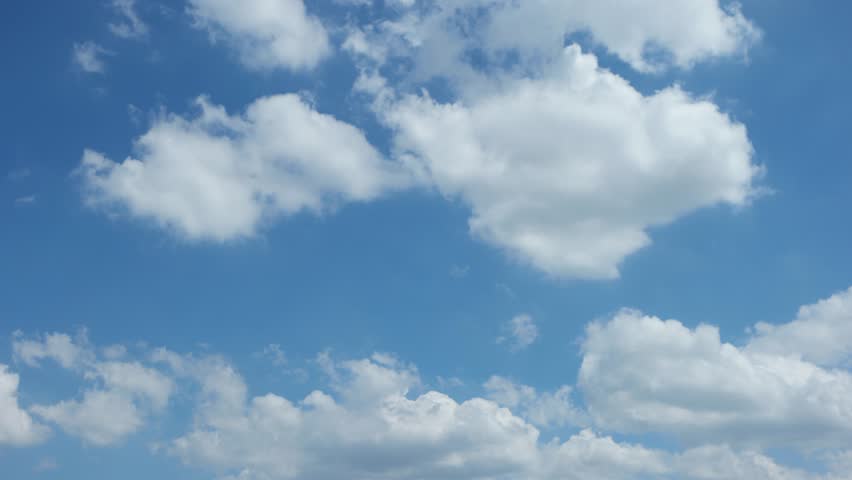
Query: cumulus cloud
point(220, 177)
point(88, 57)
point(17, 428)
point(521, 332)
point(374, 426)
point(59, 347)
point(643, 374)
point(267, 34)
point(568, 172)
point(441, 36)
point(376, 419)
point(649, 35)
point(116, 404)
point(821, 333)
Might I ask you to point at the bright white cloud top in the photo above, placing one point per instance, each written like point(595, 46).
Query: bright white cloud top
point(267, 34)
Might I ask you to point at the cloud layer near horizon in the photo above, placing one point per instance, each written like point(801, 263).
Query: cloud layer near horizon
point(378, 418)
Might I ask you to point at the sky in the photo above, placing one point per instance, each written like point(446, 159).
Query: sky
point(425, 239)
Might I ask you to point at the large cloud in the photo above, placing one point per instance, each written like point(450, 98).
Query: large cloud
point(567, 172)
point(650, 35)
point(643, 374)
point(372, 427)
point(266, 33)
point(17, 428)
point(219, 177)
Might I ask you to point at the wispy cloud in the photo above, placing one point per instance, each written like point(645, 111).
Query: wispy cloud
point(521, 332)
point(130, 26)
point(88, 57)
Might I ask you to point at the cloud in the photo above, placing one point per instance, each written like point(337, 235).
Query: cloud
point(100, 417)
point(131, 26)
point(545, 410)
point(648, 35)
point(568, 172)
point(267, 34)
point(521, 332)
point(219, 177)
point(374, 418)
point(88, 57)
point(372, 426)
point(440, 38)
point(59, 347)
point(26, 200)
point(821, 333)
point(17, 428)
point(643, 374)
point(274, 354)
point(120, 397)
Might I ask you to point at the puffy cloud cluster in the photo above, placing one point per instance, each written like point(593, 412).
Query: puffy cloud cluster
point(376, 420)
point(374, 426)
point(567, 172)
point(643, 374)
point(219, 176)
point(564, 165)
point(121, 396)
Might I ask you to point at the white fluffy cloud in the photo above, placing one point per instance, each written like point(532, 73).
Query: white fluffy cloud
point(219, 177)
point(17, 428)
point(267, 33)
point(115, 405)
point(643, 374)
point(568, 172)
point(372, 427)
point(821, 333)
point(58, 347)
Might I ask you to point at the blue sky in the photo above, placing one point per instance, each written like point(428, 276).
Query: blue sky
point(464, 222)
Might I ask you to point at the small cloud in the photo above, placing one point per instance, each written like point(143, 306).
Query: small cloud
point(87, 56)
point(27, 200)
point(135, 113)
point(457, 271)
point(274, 354)
point(46, 465)
point(521, 332)
point(130, 26)
point(448, 383)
